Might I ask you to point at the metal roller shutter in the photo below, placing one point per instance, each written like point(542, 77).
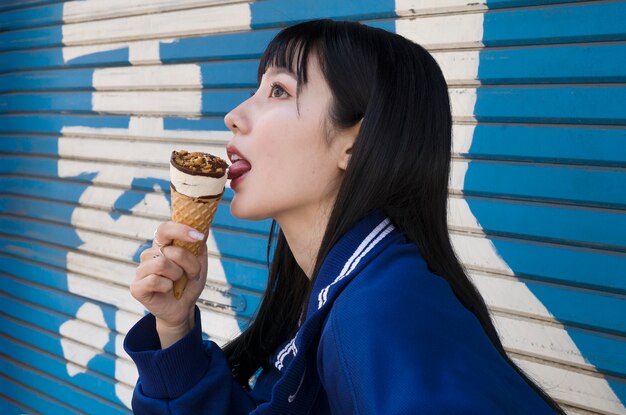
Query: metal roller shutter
point(94, 95)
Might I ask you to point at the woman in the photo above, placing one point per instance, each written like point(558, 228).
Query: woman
point(346, 145)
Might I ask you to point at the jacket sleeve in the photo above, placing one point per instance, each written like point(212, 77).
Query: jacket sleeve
point(386, 350)
point(190, 377)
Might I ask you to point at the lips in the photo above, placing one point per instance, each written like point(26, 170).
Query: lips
point(239, 166)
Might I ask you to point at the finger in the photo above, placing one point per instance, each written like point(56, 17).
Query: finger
point(169, 231)
point(151, 284)
point(160, 265)
point(184, 259)
point(203, 260)
point(149, 253)
point(194, 288)
point(203, 251)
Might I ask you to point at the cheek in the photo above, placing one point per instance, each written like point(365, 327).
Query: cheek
point(307, 178)
point(289, 169)
point(302, 164)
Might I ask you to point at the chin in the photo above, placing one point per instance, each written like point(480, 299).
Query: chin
point(240, 212)
point(235, 211)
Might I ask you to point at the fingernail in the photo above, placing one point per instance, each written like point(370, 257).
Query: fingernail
point(196, 235)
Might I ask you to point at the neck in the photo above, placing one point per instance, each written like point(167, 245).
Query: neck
point(304, 231)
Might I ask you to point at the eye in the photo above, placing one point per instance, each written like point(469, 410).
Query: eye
point(276, 87)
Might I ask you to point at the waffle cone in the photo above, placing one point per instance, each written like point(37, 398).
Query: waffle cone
point(197, 213)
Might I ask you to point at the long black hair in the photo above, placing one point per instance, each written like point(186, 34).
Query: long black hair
point(400, 162)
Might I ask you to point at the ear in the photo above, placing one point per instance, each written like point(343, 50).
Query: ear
point(347, 138)
point(345, 158)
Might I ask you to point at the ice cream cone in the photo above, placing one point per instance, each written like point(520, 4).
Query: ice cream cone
point(197, 184)
point(197, 214)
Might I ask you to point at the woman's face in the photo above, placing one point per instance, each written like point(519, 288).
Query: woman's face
point(293, 168)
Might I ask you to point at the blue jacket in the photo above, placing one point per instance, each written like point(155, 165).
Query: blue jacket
point(383, 335)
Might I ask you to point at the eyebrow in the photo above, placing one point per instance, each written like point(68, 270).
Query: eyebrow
point(279, 70)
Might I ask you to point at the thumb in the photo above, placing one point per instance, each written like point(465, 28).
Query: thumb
point(196, 285)
point(193, 289)
point(203, 251)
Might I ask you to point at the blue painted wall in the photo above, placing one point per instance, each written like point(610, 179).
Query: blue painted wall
point(545, 181)
point(547, 176)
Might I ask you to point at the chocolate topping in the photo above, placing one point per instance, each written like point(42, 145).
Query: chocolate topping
point(203, 199)
point(198, 163)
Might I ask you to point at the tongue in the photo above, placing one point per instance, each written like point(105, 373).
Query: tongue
point(238, 168)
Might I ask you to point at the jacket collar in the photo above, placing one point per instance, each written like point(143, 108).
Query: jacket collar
point(357, 247)
point(348, 254)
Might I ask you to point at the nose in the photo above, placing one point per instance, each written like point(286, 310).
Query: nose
point(229, 120)
point(235, 119)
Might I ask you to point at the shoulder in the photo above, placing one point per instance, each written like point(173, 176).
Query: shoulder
point(395, 287)
point(399, 324)
point(397, 300)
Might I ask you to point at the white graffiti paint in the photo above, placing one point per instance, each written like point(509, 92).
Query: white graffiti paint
point(93, 36)
point(461, 67)
point(77, 329)
point(431, 31)
point(98, 268)
point(410, 8)
point(148, 77)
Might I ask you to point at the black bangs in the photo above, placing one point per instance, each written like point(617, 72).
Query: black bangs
point(290, 50)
